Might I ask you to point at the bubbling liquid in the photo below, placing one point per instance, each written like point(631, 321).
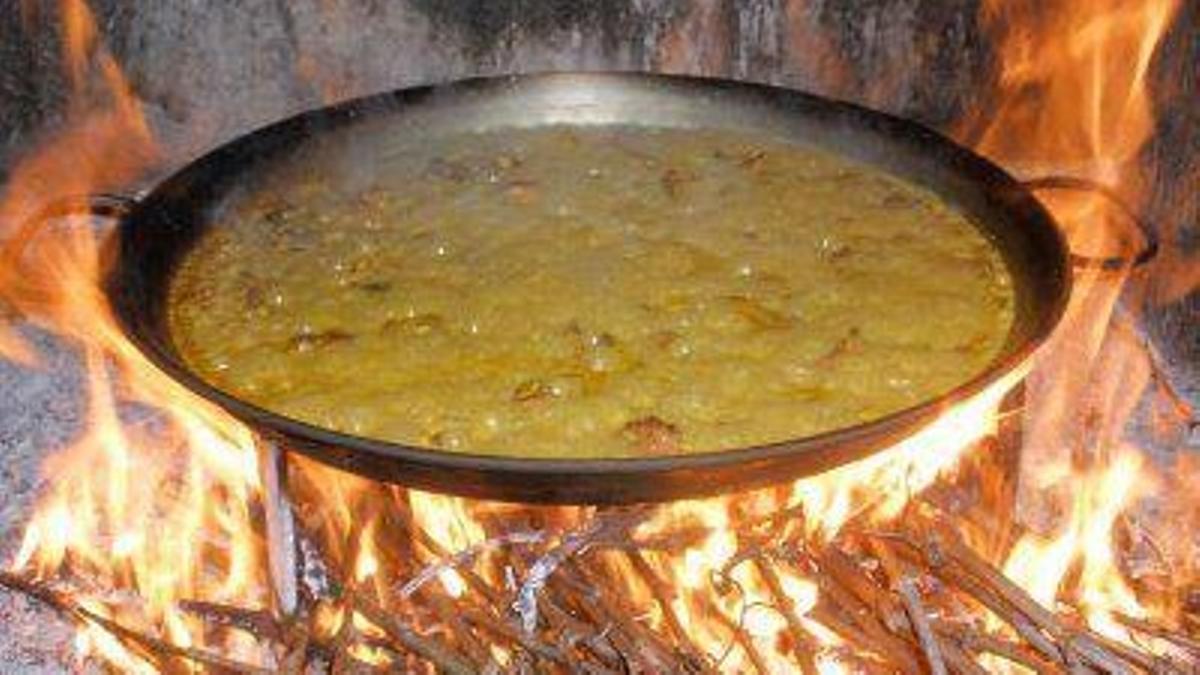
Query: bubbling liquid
point(585, 292)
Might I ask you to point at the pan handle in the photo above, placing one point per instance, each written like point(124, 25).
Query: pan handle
point(1149, 250)
point(102, 204)
point(99, 204)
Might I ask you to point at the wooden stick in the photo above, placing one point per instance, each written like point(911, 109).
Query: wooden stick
point(593, 617)
point(1100, 651)
point(619, 612)
point(839, 573)
point(840, 567)
point(960, 661)
point(597, 638)
point(445, 658)
point(450, 616)
point(1095, 648)
point(599, 633)
point(1024, 627)
point(1142, 626)
point(504, 631)
point(746, 642)
point(980, 641)
point(802, 639)
point(294, 658)
point(257, 622)
point(862, 640)
point(476, 582)
point(550, 614)
point(155, 646)
point(280, 528)
point(906, 587)
point(662, 596)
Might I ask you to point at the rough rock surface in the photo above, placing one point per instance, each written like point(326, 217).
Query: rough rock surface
point(40, 410)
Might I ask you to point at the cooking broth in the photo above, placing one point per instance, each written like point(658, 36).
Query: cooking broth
point(586, 292)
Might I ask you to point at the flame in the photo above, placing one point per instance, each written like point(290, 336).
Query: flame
point(156, 492)
point(874, 489)
point(1075, 98)
point(448, 522)
point(50, 277)
point(165, 505)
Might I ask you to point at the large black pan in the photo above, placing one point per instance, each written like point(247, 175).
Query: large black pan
point(159, 230)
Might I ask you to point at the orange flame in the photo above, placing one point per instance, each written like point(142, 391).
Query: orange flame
point(105, 144)
point(165, 509)
point(161, 505)
point(1075, 99)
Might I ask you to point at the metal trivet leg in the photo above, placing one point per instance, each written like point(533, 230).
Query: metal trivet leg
point(281, 527)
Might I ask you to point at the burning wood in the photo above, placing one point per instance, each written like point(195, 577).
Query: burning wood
point(902, 596)
point(157, 543)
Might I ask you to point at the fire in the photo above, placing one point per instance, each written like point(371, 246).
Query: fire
point(156, 493)
point(1103, 494)
point(1088, 64)
point(887, 481)
point(451, 526)
point(166, 506)
point(875, 489)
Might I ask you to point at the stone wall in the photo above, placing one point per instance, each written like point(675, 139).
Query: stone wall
point(210, 69)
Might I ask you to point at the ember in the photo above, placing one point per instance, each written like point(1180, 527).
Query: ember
point(1020, 530)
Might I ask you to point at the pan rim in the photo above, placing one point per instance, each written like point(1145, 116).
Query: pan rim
point(841, 444)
